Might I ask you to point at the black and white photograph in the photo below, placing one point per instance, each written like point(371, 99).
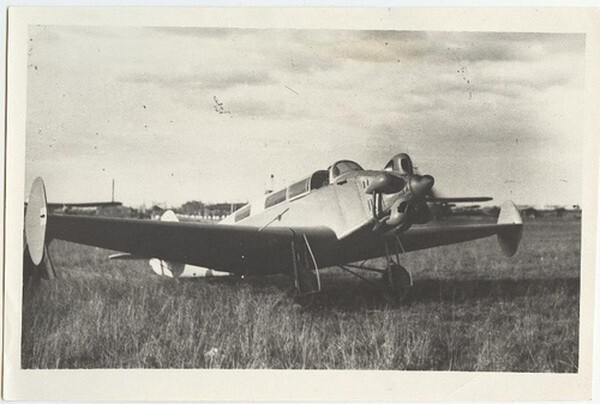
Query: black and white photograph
point(243, 198)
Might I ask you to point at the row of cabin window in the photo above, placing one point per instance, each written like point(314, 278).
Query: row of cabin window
point(292, 191)
point(276, 198)
point(242, 213)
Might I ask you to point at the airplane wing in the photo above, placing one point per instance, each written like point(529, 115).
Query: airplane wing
point(427, 237)
point(508, 229)
point(238, 249)
point(248, 250)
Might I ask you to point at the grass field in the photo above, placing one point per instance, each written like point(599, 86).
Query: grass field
point(470, 309)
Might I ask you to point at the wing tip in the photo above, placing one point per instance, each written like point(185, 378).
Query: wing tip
point(509, 214)
point(510, 237)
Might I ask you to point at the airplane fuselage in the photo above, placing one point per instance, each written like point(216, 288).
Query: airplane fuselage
point(342, 206)
point(345, 199)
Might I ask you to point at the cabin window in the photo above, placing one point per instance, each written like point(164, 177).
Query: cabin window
point(298, 188)
point(242, 213)
point(319, 179)
point(275, 198)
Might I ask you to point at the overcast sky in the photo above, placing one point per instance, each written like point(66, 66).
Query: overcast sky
point(484, 113)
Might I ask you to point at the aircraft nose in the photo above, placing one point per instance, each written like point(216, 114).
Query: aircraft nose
point(420, 185)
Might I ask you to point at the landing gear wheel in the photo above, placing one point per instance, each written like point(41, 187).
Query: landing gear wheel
point(398, 280)
point(306, 300)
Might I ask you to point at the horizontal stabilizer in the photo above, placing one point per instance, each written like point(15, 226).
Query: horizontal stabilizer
point(59, 205)
point(465, 199)
point(178, 269)
point(126, 256)
point(56, 205)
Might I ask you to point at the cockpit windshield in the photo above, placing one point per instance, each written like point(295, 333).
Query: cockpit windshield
point(342, 167)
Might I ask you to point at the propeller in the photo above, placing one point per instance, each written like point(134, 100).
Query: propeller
point(420, 185)
point(410, 204)
point(386, 183)
point(406, 189)
point(413, 192)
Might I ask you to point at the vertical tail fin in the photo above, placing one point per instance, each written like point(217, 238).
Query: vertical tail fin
point(36, 258)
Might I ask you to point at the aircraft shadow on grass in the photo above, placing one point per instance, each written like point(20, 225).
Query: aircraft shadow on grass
point(350, 295)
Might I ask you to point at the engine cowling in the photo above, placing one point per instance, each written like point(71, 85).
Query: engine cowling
point(398, 213)
point(405, 191)
point(400, 163)
point(386, 183)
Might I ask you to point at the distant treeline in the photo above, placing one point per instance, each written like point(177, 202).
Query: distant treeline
point(191, 209)
point(216, 211)
point(526, 212)
point(198, 208)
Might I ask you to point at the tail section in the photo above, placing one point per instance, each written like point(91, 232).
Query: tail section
point(36, 217)
point(510, 237)
point(178, 270)
point(36, 257)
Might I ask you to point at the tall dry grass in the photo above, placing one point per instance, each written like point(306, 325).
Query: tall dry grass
point(470, 309)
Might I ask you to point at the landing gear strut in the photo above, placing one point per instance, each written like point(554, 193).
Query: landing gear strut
point(306, 270)
point(397, 278)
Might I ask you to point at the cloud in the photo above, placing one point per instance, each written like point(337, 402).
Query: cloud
point(385, 46)
point(444, 47)
point(210, 80)
point(456, 101)
point(505, 47)
point(199, 32)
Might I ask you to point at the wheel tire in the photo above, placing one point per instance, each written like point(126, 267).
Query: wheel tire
point(397, 279)
point(307, 300)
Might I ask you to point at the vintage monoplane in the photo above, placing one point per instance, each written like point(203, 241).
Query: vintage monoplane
point(334, 217)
